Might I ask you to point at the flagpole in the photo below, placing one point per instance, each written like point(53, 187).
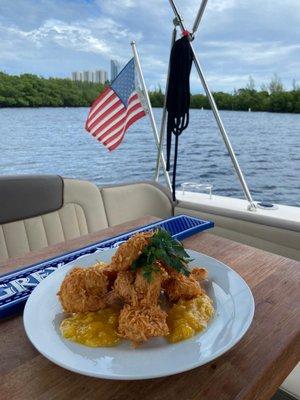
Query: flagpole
point(164, 114)
point(252, 206)
point(151, 115)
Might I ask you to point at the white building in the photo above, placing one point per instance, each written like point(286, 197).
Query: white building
point(98, 76)
point(105, 76)
point(77, 76)
point(114, 69)
point(88, 76)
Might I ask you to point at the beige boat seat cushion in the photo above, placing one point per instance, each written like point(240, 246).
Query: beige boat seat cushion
point(71, 208)
point(130, 201)
point(82, 212)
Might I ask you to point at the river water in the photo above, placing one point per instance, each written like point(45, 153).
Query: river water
point(53, 141)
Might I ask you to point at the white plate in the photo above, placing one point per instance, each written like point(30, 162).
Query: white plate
point(234, 309)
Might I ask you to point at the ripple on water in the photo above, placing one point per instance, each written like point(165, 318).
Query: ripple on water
point(53, 141)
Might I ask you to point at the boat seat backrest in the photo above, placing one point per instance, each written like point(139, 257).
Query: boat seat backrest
point(36, 212)
point(130, 201)
point(81, 211)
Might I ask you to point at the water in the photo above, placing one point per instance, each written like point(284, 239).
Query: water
point(53, 141)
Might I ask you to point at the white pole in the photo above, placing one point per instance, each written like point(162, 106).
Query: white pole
point(252, 206)
point(151, 115)
point(199, 16)
point(164, 114)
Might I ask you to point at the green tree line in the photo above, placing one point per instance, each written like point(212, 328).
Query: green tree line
point(272, 97)
point(33, 91)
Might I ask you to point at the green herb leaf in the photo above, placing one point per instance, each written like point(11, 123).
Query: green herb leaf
point(162, 247)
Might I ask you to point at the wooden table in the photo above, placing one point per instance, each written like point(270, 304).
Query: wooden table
point(252, 370)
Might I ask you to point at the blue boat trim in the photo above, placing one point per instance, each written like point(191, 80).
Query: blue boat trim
point(16, 286)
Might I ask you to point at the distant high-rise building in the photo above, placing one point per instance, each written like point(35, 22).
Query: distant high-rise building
point(77, 76)
point(88, 76)
point(105, 77)
point(114, 69)
point(98, 76)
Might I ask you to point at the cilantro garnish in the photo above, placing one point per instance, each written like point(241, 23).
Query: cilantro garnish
point(162, 247)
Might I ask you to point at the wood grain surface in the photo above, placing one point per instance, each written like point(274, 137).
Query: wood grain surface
point(252, 370)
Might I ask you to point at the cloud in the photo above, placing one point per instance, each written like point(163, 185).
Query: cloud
point(235, 39)
point(77, 36)
point(116, 5)
point(64, 35)
point(255, 53)
point(221, 5)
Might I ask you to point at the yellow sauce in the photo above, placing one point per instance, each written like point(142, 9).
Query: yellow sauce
point(188, 317)
point(94, 329)
point(99, 329)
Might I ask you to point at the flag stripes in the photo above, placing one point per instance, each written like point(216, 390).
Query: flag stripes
point(109, 119)
point(116, 109)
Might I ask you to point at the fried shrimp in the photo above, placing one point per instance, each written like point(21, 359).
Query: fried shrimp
point(123, 287)
point(83, 289)
point(148, 279)
point(138, 324)
point(199, 274)
point(129, 251)
point(148, 292)
point(181, 287)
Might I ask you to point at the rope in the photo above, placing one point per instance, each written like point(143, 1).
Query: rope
point(178, 98)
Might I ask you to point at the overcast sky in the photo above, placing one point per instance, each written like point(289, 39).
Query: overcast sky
point(236, 38)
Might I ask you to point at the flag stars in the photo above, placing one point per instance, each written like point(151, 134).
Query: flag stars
point(124, 84)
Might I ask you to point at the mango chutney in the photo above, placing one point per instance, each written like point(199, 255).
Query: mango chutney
point(99, 329)
point(94, 329)
point(188, 317)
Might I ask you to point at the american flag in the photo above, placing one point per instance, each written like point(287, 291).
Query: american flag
point(116, 109)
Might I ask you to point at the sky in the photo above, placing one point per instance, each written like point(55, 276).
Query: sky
point(236, 38)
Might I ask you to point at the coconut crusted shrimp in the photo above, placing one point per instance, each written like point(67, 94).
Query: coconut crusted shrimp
point(133, 288)
point(84, 289)
point(199, 274)
point(146, 266)
point(123, 287)
point(179, 286)
point(149, 292)
point(138, 324)
point(129, 251)
point(141, 317)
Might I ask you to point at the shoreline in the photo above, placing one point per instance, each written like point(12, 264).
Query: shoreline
point(155, 107)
